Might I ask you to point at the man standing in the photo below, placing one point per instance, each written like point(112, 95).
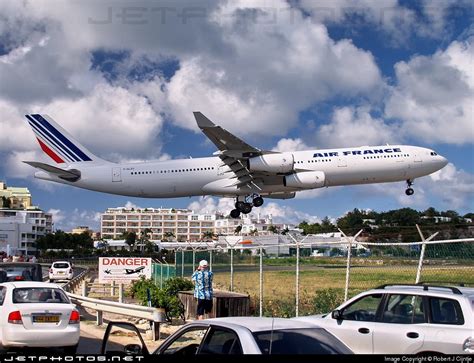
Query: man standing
point(202, 279)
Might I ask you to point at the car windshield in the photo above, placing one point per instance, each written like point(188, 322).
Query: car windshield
point(20, 272)
point(61, 265)
point(31, 295)
point(299, 341)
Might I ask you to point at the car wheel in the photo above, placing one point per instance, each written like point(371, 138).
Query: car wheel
point(71, 350)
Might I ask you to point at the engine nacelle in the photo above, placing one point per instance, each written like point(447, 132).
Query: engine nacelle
point(305, 180)
point(272, 163)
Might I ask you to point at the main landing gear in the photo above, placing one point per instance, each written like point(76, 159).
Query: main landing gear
point(245, 205)
point(409, 190)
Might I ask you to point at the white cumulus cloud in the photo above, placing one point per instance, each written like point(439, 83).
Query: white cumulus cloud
point(434, 95)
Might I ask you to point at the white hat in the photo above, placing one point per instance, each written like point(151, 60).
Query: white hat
point(202, 263)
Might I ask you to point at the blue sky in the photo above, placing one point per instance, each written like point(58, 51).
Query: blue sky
point(125, 77)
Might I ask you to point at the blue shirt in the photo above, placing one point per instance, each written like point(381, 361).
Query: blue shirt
point(202, 284)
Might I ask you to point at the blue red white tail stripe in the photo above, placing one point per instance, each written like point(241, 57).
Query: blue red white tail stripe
point(54, 143)
point(47, 138)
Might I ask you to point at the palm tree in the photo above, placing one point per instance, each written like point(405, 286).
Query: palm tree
point(167, 235)
point(145, 237)
point(274, 229)
point(208, 235)
point(238, 229)
point(130, 238)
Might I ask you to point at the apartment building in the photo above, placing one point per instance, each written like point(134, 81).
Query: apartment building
point(20, 228)
point(14, 197)
point(180, 224)
point(164, 223)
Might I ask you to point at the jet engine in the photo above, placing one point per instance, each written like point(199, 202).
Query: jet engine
point(272, 163)
point(305, 180)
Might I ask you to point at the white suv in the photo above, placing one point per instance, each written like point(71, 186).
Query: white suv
point(405, 319)
point(60, 270)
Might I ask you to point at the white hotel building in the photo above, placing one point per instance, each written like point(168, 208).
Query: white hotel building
point(183, 224)
point(20, 228)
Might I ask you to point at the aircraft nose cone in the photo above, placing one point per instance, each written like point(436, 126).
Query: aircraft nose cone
point(443, 162)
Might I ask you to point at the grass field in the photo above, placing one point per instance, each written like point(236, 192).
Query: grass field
point(327, 283)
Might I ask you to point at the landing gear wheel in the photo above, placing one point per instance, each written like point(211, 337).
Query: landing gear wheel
point(257, 202)
point(247, 208)
point(235, 213)
point(239, 206)
point(409, 191)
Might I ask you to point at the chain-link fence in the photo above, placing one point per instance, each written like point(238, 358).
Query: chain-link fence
point(314, 277)
point(160, 272)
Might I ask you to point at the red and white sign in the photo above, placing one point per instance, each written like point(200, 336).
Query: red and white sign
point(123, 269)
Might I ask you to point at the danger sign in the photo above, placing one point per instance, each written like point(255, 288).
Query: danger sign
point(123, 269)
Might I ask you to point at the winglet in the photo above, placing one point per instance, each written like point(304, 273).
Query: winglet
point(202, 120)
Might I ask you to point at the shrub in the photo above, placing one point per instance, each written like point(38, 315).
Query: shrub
point(166, 297)
point(175, 284)
point(327, 300)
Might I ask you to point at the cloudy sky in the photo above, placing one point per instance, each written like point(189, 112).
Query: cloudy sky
point(124, 78)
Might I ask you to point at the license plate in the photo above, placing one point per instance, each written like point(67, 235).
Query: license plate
point(46, 319)
point(61, 272)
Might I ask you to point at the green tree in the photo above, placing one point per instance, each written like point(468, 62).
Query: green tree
point(130, 239)
point(168, 235)
point(352, 220)
point(6, 202)
point(274, 229)
point(431, 212)
point(208, 235)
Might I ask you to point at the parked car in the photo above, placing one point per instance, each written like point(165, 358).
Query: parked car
point(20, 271)
point(37, 314)
point(236, 335)
point(405, 319)
point(60, 270)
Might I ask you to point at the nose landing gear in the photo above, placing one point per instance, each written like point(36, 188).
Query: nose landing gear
point(409, 190)
point(245, 205)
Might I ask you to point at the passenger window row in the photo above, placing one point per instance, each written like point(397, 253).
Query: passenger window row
point(169, 171)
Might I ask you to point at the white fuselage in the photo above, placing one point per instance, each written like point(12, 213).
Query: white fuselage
point(209, 176)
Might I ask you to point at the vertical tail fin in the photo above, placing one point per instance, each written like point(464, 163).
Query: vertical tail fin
point(57, 143)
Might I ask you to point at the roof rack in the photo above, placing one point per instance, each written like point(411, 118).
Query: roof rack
point(455, 290)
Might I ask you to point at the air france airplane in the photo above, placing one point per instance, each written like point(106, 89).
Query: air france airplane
point(236, 170)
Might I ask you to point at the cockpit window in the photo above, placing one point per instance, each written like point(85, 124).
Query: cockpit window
point(433, 153)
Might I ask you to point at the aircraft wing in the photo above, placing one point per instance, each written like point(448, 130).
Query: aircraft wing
point(71, 175)
point(233, 152)
point(227, 143)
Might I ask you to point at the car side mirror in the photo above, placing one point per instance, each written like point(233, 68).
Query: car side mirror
point(133, 349)
point(336, 314)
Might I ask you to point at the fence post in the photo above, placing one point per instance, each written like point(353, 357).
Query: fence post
point(231, 269)
point(261, 282)
point(161, 275)
point(84, 288)
point(99, 318)
point(210, 260)
point(121, 293)
point(348, 265)
point(297, 302)
point(422, 253)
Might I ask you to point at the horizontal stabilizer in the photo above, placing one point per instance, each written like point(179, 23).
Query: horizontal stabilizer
point(71, 175)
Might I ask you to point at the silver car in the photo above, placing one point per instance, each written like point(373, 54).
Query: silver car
point(237, 335)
